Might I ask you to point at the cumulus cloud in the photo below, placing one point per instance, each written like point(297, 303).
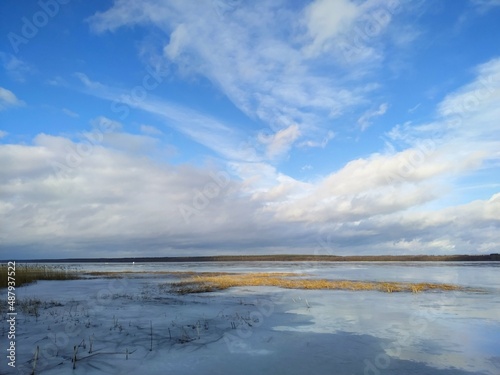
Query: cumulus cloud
point(106, 196)
point(364, 188)
point(115, 202)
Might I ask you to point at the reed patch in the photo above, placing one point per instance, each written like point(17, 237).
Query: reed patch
point(207, 282)
point(29, 273)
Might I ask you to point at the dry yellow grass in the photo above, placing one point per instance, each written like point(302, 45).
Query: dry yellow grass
point(30, 273)
point(208, 282)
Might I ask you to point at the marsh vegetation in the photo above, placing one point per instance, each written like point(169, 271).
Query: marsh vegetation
point(29, 273)
point(209, 282)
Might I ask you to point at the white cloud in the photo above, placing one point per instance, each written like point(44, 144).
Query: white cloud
point(383, 202)
point(219, 137)
point(113, 201)
point(322, 144)
point(16, 68)
point(109, 133)
point(470, 227)
point(150, 130)
point(114, 197)
point(485, 5)
point(258, 65)
point(486, 2)
point(89, 84)
point(327, 19)
point(351, 31)
point(475, 103)
point(366, 188)
point(106, 124)
point(9, 99)
point(467, 119)
point(432, 157)
point(70, 113)
point(3, 133)
point(57, 81)
point(363, 199)
point(465, 132)
point(178, 39)
point(131, 143)
point(280, 142)
point(366, 119)
point(414, 108)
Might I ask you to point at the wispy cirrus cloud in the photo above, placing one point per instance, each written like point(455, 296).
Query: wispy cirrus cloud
point(70, 113)
point(267, 59)
point(485, 5)
point(319, 143)
point(201, 128)
point(150, 130)
point(366, 119)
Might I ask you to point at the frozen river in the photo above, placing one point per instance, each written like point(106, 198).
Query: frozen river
point(266, 330)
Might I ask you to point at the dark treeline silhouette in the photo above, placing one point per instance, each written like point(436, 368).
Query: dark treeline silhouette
point(282, 258)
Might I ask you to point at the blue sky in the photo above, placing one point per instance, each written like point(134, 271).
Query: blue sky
point(228, 126)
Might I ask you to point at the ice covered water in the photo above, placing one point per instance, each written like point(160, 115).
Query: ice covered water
point(136, 325)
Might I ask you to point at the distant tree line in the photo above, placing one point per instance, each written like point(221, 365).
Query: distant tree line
point(283, 258)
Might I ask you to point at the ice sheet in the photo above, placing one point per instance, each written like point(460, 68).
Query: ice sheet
point(256, 330)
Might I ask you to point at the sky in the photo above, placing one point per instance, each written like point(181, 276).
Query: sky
point(176, 128)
